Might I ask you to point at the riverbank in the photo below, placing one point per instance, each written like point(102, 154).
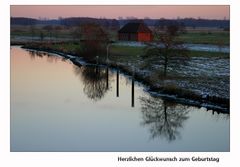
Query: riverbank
point(191, 88)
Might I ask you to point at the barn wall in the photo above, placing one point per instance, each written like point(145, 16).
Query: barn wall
point(128, 36)
point(144, 37)
point(133, 37)
point(123, 36)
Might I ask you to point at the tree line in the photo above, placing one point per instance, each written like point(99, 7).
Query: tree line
point(73, 21)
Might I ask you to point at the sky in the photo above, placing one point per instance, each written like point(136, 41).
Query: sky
point(161, 11)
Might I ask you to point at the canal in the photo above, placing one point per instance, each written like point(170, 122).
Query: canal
point(58, 106)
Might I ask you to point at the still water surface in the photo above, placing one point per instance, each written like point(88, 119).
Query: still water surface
point(57, 106)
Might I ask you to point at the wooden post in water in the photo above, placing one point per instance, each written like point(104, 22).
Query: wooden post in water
point(133, 90)
point(117, 83)
point(107, 78)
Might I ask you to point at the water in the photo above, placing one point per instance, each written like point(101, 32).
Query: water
point(57, 106)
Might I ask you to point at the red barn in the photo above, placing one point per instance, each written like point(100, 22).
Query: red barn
point(135, 32)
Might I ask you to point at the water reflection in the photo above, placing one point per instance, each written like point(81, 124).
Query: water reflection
point(219, 116)
point(133, 90)
point(117, 82)
point(50, 57)
point(95, 80)
point(42, 92)
point(34, 54)
point(163, 118)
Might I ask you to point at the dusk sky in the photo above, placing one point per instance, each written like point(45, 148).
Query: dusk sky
point(208, 12)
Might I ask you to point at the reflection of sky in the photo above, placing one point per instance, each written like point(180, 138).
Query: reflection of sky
point(50, 112)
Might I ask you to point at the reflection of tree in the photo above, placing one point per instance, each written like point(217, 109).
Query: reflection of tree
point(32, 54)
point(223, 116)
point(95, 80)
point(164, 118)
point(50, 58)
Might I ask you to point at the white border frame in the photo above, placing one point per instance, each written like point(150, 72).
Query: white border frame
point(60, 159)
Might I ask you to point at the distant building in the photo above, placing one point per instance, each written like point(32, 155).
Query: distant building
point(135, 32)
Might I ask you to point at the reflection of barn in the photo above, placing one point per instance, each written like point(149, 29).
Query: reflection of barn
point(135, 32)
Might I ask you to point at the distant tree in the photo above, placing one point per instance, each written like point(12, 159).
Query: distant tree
point(60, 20)
point(115, 25)
point(167, 49)
point(226, 29)
point(33, 31)
point(57, 30)
point(107, 23)
point(49, 30)
point(22, 21)
point(220, 44)
point(42, 35)
point(160, 24)
point(95, 40)
point(182, 27)
point(77, 33)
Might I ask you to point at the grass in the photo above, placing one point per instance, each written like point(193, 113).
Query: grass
point(206, 38)
point(126, 50)
point(68, 47)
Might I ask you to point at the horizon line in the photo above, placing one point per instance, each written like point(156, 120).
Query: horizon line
point(60, 17)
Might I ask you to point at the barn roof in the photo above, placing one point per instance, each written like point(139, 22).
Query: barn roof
point(134, 28)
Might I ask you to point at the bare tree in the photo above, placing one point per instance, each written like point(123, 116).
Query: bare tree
point(166, 49)
point(49, 29)
point(76, 33)
point(41, 35)
point(94, 39)
point(115, 25)
point(33, 31)
point(220, 44)
point(57, 30)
